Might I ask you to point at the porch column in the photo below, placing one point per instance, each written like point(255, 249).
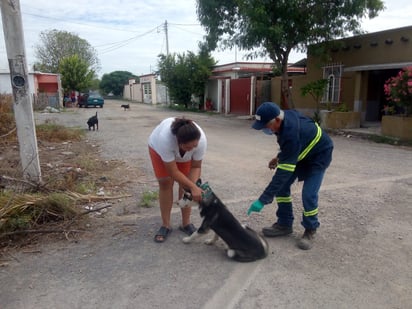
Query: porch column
point(357, 103)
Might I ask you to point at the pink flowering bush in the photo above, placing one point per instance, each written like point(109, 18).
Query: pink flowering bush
point(398, 90)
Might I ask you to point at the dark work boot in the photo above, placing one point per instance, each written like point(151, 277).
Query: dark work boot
point(277, 230)
point(306, 242)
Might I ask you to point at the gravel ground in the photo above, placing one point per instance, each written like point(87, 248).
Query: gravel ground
point(361, 258)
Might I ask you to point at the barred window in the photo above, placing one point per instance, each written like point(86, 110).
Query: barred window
point(333, 73)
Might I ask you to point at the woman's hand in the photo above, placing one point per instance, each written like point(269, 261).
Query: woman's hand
point(273, 163)
point(196, 193)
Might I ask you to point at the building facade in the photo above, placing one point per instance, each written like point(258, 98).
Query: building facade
point(45, 88)
point(356, 69)
point(147, 90)
point(239, 87)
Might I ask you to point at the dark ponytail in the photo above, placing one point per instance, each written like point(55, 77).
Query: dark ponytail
point(185, 130)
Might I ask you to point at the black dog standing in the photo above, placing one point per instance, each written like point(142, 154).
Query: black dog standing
point(125, 106)
point(93, 122)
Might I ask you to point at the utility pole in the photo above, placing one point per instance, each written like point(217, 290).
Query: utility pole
point(22, 105)
point(167, 39)
point(167, 54)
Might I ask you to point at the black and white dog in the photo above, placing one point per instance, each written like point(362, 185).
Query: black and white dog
point(125, 106)
point(243, 243)
point(93, 122)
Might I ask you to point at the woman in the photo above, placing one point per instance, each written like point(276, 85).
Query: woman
point(176, 148)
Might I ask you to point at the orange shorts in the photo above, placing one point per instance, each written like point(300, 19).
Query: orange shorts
point(159, 166)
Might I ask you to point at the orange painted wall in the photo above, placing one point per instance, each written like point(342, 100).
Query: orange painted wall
point(46, 83)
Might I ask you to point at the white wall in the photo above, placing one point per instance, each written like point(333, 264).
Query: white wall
point(5, 83)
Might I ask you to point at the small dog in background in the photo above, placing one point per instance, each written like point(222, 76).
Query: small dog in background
point(125, 106)
point(93, 122)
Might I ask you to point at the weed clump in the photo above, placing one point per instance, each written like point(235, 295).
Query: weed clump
point(28, 211)
point(148, 198)
point(7, 123)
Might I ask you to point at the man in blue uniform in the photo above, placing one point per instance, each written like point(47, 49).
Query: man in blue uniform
point(305, 153)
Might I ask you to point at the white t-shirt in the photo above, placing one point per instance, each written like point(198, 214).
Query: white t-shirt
point(165, 143)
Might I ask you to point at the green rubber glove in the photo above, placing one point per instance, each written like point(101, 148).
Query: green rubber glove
point(256, 206)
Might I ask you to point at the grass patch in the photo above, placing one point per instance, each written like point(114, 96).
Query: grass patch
point(147, 199)
point(86, 161)
point(85, 187)
point(52, 132)
point(389, 140)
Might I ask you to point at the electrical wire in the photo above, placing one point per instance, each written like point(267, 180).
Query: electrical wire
point(116, 45)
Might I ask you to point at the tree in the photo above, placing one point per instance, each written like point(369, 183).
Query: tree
point(275, 27)
point(114, 82)
point(95, 84)
point(315, 89)
point(203, 64)
point(75, 74)
point(186, 74)
point(174, 72)
point(56, 45)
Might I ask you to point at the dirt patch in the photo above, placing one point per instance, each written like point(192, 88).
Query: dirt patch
point(72, 166)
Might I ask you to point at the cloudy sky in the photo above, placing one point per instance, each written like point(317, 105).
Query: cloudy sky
point(128, 35)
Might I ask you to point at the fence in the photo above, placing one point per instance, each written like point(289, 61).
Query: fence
point(42, 100)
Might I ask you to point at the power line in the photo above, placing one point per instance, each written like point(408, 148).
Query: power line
point(116, 45)
point(119, 44)
point(110, 46)
point(175, 24)
point(186, 30)
point(74, 21)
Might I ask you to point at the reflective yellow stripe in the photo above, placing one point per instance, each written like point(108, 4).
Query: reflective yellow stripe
point(287, 167)
point(312, 143)
point(284, 199)
point(310, 213)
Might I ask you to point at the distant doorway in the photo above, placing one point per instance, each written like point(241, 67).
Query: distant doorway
point(376, 99)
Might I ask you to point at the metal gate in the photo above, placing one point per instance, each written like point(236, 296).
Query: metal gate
point(240, 96)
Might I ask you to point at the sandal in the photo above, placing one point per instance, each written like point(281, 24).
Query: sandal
point(162, 234)
point(188, 229)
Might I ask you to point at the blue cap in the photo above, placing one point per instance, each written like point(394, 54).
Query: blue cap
point(265, 113)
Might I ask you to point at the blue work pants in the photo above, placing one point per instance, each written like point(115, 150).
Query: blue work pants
point(311, 186)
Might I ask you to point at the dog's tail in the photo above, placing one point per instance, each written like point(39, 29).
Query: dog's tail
point(260, 251)
point(265, 245)
point(96, 114)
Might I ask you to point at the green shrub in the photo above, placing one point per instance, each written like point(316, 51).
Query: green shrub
point(148, 198)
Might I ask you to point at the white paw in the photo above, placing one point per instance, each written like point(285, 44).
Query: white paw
point(230, 253)
point(210, 241)
point(186, 239)
point(183, 203)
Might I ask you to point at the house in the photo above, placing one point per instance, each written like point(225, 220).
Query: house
point(233, 88)
point(45, 88)
point(236, 88)
point(356, 69)
point(147, 90)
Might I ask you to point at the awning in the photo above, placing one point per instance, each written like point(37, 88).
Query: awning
point(384, 66)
